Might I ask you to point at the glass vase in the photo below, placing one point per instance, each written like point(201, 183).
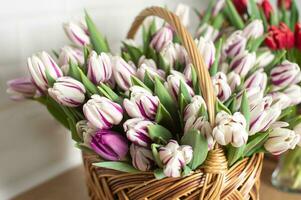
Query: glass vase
point(287, 175)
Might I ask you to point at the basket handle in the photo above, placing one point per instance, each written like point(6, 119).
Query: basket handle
point(191, 48)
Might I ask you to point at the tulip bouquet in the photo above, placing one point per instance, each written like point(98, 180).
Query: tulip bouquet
point(142, 110)
point(277, 32)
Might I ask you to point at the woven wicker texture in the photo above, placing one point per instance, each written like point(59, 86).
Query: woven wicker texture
point(213, 181)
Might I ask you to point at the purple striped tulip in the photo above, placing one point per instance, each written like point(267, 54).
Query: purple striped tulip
point(265, 58)
point(173, 86)
point(137, 131)
point(68, 92)
point(281, 99)
point(71, 54)
point(109, 145)
point(141, 103)
point(285, 74)
point(76, 34)
point(99, 68)
point(243, 62)
point(230, 129)
point(148, 62)
point(149, 66)
point(221, 87)
point(21, 88)
point(174, 158)
point(201, 124)
point(188, 74)
point(208, 32)
point(182, 11)
point(254, 95)
point(38, 65)
point(280, 140)
point(233, 80)
point(258, 78)
point(192, 109)
point(122, 72)
point(102, 112)
point(162, 38)
point(169, 54)
point(142, 158)
point(207, 50)
point(235, 44)
point(254, 29)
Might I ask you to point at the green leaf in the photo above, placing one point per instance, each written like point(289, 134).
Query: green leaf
point(84, 148)
point(90, 87)
point(159, 174)
point(116, 165)
point(264, 19)
point(148, 81)
point(219, 106)
point(55, 110)
point(159, 133)
point(253, 10)
point(232, 106)
point(255, 142)
point(110, 93)
point(163, 117)
point(274, 19)
point(234, 15)
point(49, 78)
point(245, 108)
point(234, 154)
point(199, 145)
point(194, 79)
point(213, 69)
point(86, 51)
point(156, 154)
point(97, 39)
point(182, 103)
point(294, 15)
point(186, 171)
point(218, 21)
point(134, 52)
point(72, 127)
point(208, 13)
point(137, 82)
point(163, 64)
point(73, 71)
point(254, 44)
point(184, 92)
point(165, 97)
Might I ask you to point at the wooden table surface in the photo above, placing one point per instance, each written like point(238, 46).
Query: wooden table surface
point(71, 185)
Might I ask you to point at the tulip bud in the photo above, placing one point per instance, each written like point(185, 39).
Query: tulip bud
point(76, 34)
point(235, 44)
point(21, 88)
point(194, 107)
point(38, 65)
point(182, 11)
point(174, 158)
point(188, 74)
point(243, 62)
point(99, 68)
point(173, 86)
point(281, 99)
point(241, 6)
point(230, 129)
point(141, 72)
point(208, 32)
point(109, 145)
point(201, 124)
point(207, 50)
point(253, 30)
point(265, 58)
point(294, 94)
point(254, 95)
point(221, 87)
point(141, 103)
point(142, 158)
point(122, 72)
point(137, 131)
point(285, 74)
point(148, 62)
point(267, 8)
point(285, 4)
point(68, 92)
point(234, 80)
point(102, 112)
point(70, 54)
point(219, 5)
point(258, 78)
point(162, 38)
point(281, 140)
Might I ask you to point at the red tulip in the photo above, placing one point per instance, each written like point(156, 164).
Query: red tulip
point(285, 3)
point(280, 37)
point(298, 35)
point(241, 6)
point(267, 8)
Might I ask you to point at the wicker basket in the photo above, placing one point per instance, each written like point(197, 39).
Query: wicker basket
point(213, 181)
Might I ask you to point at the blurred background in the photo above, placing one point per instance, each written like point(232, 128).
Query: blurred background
point(33, 147)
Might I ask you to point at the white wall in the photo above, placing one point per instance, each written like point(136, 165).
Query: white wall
point(33, 147)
